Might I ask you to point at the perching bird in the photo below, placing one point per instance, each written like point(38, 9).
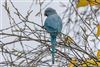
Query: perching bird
point(53, 25)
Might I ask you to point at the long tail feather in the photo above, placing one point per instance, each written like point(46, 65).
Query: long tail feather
point(53, 42)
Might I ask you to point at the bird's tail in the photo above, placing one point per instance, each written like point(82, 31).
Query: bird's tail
point(53, 42)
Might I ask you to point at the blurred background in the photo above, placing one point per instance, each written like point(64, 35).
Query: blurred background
point(24, 43)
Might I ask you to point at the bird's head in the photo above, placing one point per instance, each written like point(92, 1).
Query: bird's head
point(49, 11)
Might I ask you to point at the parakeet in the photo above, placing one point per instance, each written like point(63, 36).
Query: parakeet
point(53, 25)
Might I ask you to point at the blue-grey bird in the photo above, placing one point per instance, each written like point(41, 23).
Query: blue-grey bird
point(53, 25)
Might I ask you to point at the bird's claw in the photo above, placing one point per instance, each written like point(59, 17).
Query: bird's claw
point(42, 26)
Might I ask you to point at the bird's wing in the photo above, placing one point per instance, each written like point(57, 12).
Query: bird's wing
point(53, 23)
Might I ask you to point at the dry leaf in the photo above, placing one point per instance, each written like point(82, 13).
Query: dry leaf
point(98, 54)
point(68, 40)
point(72, 63)
point(82, 3)
point(98, 30)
